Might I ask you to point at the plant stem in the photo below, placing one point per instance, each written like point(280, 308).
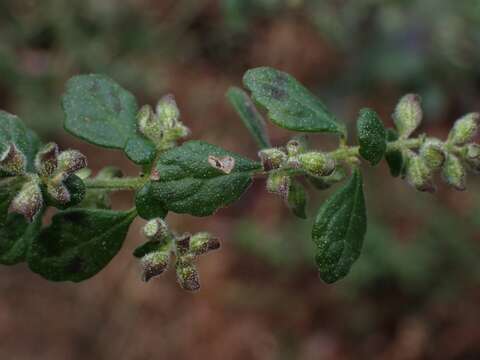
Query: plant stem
point(115, 184)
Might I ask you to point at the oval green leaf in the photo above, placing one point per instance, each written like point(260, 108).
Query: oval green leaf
point(250, 116)
point(79, 243)
point(100, 111)
point(190, 184)
point(290, 105)
point(371, 136)
point(339, 230)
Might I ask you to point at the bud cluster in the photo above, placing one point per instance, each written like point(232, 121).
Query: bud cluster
point(451, 157)
point(53, 170)
point(162, 126)
point(187, 248)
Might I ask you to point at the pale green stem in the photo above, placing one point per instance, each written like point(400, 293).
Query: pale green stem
point(129, 183)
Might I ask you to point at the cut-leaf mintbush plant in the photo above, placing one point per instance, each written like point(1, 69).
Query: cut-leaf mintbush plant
point(198, 178)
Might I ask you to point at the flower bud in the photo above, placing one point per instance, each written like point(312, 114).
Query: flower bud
point(183, 244)
point(464, 129)
point(297, 145)
point(408, 115)
point(454, 173)
point(418, 174)
point(29, 200)
point(70, 161)
point(187, 276)
point(59, 192)
point(154, 264)
point(46, 160)
point(272, 158)
point(202, 243)
point(472, 156)
point(317, 164)
point(156, 230)
point(13, 161)
point(167, 111)
point(433, 153)
point(148, 124)
point(278, 183)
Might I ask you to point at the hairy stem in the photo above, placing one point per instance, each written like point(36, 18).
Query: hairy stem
point(128, 183)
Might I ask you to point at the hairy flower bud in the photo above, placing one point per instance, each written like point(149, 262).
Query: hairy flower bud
point(182, 244)
point(59, 192)
point(418, 174)
point(203, 242)
point(454, 173)
point(13, 161)
point(297, 145)
point(317, 164)
point(272, 158)
point(154, 264)
point(167, 111)
point(29, 201)
point(432, 152)
point(408, 115)
point(472, 157)
point(70, 161)
point(464, 129)
point(278, 183)
point(156, 230)
point(187, 276)
point(46, 160)
point(148, 124)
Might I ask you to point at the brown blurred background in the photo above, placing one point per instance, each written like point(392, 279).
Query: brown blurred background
point(414, 294)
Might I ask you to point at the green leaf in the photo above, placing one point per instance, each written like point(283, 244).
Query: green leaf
point(371, 136)
point(190, 184)
point(250, 116)
point(339, 230)
point(147, 207)
point(297, 199)
point(100, 111)
point(79, 243)
point(13, 130)
point(16, 235)
point(290, 105)
point(394, 159)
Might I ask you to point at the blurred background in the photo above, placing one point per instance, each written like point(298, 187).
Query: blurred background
point(414, 293)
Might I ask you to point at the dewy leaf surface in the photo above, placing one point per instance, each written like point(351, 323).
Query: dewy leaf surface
point(188, 183)
point(100, 111)
point(339, 230)
point(250, 116)
point(290, 105)
point(79, 243)
point(371, 136)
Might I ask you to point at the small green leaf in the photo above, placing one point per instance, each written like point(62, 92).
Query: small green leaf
point(371, 136)
point(250, 116)
point(297, 199)
point(394, 158)
point(100, 111)
point(79, 243)
point(190, 183)
point(290, 105)
point(147, 207)
point(13, 130)
point(339, 230)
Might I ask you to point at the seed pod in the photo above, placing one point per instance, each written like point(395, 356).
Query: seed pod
point(272, 158)
point(464, 129)
point(167, 111)
point(187, 276)
point(317, 164)
point(202, 243)
point(70, 161)
point(278, 183)
point(46, 160)
point(472, 157)
point(408, 115)
point(454, 173)
point(433, 154)
point(154, 264)
point(13, 161)
point(156, 230)
point(29, 200)
point(418, 174)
